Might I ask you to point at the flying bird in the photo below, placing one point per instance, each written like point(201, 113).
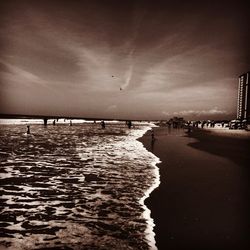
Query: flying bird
point(120, 87)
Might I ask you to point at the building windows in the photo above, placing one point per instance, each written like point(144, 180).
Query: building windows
point(243, 112)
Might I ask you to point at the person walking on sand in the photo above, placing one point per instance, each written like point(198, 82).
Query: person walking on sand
point(152, 140)
point(152, 136)
point(203, 124)
point(28, 129)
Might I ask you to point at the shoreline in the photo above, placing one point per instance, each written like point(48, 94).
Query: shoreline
point(202, 201)
point(149, 232)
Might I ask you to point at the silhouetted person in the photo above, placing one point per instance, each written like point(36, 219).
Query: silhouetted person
point(103, 124)
point(152, 136)
point(152, 141)
point(129, 124)
point(28, 130)
point(54, 122)
point(45, 121)
point(70, 123)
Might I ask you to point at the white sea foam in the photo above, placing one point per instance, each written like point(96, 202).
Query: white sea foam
point(150, 235)
point(78, 177)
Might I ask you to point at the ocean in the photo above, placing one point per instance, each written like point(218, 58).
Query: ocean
point(75, 187)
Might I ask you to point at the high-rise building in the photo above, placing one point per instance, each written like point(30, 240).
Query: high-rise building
point(243, 108)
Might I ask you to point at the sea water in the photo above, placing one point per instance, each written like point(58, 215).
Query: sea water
point(75, 187)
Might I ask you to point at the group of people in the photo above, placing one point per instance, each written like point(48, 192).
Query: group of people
point(103, 125)
point(210, 124)
point(128, 123)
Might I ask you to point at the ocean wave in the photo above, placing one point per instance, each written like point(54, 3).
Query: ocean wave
point(76, 187)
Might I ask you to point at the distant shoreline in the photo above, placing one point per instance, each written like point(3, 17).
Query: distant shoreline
point(20, 116)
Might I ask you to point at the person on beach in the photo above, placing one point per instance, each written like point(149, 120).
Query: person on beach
point(152, 141)
point(70, 123)
point(129, 124)
point(189, 130)
point(45, 121)
point(152, 136)
point(103, 124)
point(28, 129)
point(203, 124)
point(54, 122)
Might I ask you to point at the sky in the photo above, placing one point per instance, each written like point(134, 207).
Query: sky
point(123, 59)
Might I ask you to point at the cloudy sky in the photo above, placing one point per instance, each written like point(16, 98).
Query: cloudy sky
point(122, 59)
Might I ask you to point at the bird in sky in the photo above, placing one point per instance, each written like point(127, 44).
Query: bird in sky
point(120, 87)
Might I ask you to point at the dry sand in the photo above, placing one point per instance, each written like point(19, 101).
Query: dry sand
point(202, 201)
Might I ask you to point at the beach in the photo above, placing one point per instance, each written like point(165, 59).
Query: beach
point(202, 201)
point(83, 187)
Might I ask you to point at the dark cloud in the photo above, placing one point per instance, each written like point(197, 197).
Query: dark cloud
point(168, 57)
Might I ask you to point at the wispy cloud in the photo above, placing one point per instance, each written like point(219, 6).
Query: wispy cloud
point(129, 72)
point(111, 109)
point(165, 113)
point(15, 74)
point(160, 57)
point(196, 113)
point(213, 111)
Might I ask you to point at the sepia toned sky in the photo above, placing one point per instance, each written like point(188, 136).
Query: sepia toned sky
point(123, 59)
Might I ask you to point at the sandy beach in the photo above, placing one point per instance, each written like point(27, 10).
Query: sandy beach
point(202, 201)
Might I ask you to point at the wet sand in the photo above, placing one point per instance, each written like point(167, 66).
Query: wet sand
point(202, 201)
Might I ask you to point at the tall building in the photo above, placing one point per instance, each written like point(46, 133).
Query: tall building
point(243, 108)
